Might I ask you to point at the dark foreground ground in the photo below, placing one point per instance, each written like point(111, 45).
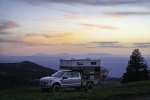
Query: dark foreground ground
point(130, 91)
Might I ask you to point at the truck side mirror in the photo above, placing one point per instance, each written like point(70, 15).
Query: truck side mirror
point(64, 77)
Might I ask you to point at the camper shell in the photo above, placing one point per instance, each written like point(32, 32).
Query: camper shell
point(87, 64)
point(88, 68)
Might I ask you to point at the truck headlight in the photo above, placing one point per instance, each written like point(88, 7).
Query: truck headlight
point(49, 82)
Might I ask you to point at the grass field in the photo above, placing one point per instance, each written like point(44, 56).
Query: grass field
point(130, 91)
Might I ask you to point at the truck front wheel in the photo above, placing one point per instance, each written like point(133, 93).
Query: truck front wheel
point(56, 88)
point(89, 86)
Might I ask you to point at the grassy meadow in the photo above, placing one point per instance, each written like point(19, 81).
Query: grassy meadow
point(113, 91)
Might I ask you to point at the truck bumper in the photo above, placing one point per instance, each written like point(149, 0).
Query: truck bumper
point(45, 85)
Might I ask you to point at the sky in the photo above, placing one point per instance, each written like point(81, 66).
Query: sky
point(28, 27)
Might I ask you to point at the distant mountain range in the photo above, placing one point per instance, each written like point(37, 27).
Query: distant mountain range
point(22, 74)
point(88, 55)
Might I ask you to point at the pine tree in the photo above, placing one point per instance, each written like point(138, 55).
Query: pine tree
point(136, 69)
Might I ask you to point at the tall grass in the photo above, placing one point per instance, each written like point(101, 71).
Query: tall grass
point(130, 91)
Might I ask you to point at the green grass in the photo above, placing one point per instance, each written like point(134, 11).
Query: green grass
point(130, 91)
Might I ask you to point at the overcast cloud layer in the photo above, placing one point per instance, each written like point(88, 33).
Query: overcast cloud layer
point(89, 2)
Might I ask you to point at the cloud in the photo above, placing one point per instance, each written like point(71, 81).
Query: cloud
point(77, 16)
point(100, 26)
point(9, 40)
point(112, 46)
point(17, 40)
point(55, 39)
point(129, 13)
point(35, 39)
point(142, 45)
point(4, 25)
point(88, 2)
point(115, 44)
point(138, 4)
point(38, 44)
point(5, 33)
point(57, 35)
point(107, 44)
point(27, 42)
point(52, 36)
point(75, 44)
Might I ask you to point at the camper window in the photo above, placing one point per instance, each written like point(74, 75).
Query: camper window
point(75, 74)
point(93, 63)
point(79, 63)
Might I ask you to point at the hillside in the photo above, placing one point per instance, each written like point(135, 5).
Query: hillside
point(130, 91)
point(22, 74)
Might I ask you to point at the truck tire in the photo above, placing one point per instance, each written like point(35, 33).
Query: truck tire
point(89, 86)
point(56, 88)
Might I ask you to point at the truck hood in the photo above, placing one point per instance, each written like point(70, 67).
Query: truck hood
point(49, 78)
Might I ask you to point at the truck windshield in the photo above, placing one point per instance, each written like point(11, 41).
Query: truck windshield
point(59, 74)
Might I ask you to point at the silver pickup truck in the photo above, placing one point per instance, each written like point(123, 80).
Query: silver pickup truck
point(67, 78)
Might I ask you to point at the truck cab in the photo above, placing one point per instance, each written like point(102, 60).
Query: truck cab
point(63, 78)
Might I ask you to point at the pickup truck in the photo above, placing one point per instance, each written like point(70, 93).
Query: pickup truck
point(68, 78)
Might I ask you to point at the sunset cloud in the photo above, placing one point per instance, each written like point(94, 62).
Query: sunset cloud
point(108, 44)
point(115, 44)
point(4, 25)
point(142, 45)
point(129, 13)
point(88, 2)
point(58, 35)
point(5, 33)
point(52, 36)
point(108, 27)
point(77, 16)
point(9, 41)
point(19, 41)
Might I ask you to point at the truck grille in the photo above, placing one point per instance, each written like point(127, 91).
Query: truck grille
point(43, 83)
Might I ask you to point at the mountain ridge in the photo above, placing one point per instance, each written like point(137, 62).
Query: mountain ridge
point(24, 73)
